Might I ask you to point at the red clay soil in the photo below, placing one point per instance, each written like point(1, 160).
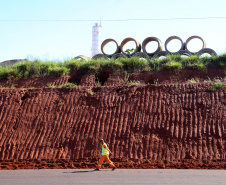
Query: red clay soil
point(116, 80)
point(145, 126)
point(34, 82)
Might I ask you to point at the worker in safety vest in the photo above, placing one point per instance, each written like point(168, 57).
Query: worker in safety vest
point(105, 156)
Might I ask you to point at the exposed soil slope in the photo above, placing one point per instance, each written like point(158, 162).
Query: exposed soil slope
point(145, 126)
point(107, 79)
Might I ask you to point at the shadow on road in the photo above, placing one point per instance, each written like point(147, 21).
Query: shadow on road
point(87, 171)
point(81, 171)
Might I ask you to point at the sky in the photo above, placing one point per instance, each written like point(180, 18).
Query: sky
point(60, 30)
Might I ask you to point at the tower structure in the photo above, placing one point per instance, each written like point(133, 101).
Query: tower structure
point(96, 39)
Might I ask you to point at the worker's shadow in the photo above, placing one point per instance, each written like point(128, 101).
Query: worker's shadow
point(87, 171)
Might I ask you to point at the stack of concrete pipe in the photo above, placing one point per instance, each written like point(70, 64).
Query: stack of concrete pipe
point(120, 52)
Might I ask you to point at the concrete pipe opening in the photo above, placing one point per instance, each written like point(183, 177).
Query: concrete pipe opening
point(130, 46)
point(175, 46)
point(151, 45)
point(108, 46)
point(196, 45)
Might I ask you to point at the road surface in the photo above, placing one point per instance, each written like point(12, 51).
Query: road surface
point(107, 177)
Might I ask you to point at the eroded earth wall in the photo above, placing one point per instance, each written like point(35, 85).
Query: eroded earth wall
point(167, 122)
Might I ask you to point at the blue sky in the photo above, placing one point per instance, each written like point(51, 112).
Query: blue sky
point(59, 40)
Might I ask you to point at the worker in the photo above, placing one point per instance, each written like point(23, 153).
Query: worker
point(105, 156)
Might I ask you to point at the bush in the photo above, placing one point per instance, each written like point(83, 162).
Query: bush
point(157, 64)
point(174, 57)
point(197, 65)
point(72, 65)
point(218, 86)
point(22, 69)
point(58, 71)
point(174, 66)
point(218, 61)
point(4, 73)
point(112, 65)
point(133, 64)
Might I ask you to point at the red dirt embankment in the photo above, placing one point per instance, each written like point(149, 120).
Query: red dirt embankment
point(149, 126)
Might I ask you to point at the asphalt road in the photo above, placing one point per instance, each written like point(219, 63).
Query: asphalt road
point(119, 176)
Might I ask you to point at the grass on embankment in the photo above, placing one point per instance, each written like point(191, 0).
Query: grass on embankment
point(173, 63)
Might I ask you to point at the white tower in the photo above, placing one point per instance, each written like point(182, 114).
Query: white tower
point(96, 42)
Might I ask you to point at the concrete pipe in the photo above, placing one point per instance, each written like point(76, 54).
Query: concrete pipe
point(141, 55)
point(195, 37)
point(105, 42)
point(172, 38)
point(98, 56)
point(207, 50)
point(160, 54)
point(137, 43)
point(12, 62)
point(82, 57)
point(118, 55)
point(184, 52)
point(150, 39)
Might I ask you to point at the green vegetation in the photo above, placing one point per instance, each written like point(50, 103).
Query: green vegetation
point(67, 85)
point(193, 80)
point(90, 92)
point(129, 51)
point(174, 66)
point(133, 83)
point(218, 86)
point(61, 103)
point(98, 83)
point(173, 63)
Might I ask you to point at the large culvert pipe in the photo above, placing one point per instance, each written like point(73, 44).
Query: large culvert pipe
point(118, 55)
point(207, 50)
point(82, 57)
point(172, 38)
point(98, 56)
point(12, 62)
point(142, 55)
point(195, 37)
point(150, 39)
point(105, 42)
point(137, 43)
point(184, 52)
point(161, 54)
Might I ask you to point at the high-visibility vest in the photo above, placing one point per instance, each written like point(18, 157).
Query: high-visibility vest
point(104, 150)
